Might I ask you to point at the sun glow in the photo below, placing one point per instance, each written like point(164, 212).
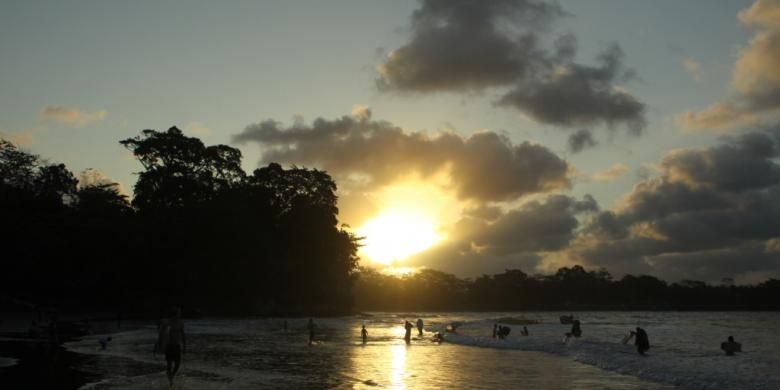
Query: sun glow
point(395, 234)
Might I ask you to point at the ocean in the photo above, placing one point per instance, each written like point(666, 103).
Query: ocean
point(257, 353)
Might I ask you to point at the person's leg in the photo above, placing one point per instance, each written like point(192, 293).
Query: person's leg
point(169, 371)
point(176, 364)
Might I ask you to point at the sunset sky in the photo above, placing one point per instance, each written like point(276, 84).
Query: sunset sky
point(468, 137)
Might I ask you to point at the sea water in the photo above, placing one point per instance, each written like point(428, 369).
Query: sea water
point(258, 353)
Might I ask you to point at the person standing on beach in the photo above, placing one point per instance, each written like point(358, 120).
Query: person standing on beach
point(408, 336)
point(364, 334)
point(419, 327)
point(172, 341)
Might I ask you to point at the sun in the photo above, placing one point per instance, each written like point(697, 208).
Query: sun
point(395, 234)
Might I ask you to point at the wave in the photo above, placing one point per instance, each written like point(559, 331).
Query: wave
point(677, 364)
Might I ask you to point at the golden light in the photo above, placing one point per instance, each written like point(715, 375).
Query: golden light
point(395, 234)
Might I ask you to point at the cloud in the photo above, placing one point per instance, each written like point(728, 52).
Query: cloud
point(514, 239)
point(579, 95)
point(715, 203)
point(483, 167)
point(581, 140)
point(24, 138)
point(693, 67)
point(463, 45)
point(755, 82)
point(197, 129)
point(361, 112)
point(718, 116)
point(611, 174)
point(72, 116)
point(93, 177)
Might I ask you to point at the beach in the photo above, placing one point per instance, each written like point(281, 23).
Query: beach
point(259, 353)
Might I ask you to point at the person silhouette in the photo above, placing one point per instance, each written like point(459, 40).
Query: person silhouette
point(642, 342)
point(311, 327)
point(408, 335)
point(364, 333)
point(419, 327)
point(172, 342)
point(731, 346)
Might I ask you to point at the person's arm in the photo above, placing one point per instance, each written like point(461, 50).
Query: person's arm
point(183, 340)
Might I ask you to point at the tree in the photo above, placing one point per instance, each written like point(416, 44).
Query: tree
point(180, 171)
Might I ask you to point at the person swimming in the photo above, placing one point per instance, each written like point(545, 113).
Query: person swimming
point(730, 346)
point(104, 342)
point(364, 333)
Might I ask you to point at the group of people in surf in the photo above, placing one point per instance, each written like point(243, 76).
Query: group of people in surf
point(172, 342)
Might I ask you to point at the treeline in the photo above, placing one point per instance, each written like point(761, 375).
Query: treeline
point(200, 233)
point(570, 288)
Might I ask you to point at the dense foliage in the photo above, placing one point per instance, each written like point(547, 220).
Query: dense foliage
point(570, 288)
point(200, 232)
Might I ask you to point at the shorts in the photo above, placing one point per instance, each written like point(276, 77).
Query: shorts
point(173, 352)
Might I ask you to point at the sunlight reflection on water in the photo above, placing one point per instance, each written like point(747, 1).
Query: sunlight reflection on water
point(248, 354)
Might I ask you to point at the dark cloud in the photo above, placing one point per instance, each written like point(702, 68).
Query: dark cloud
point(468, 44)
point(514, 239)
point(485, 166)
point(462, 45)
point(580, 140)
point(718, 202)
point(574, 95)
point(743, 163)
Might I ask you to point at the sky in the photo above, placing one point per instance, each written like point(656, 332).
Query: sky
point(465, 136)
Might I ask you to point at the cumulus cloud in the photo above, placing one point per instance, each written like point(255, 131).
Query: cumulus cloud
point(462, 45)
point(715, 203)
point(513, 239)
point(755, 82)
point(581, 140)
point(485, 166)
point(574, 95)
point(72, 116)
point(611, 174)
